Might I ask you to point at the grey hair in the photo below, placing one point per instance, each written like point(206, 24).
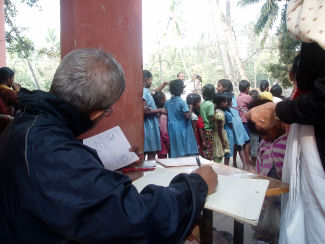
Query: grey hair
point(90, 79)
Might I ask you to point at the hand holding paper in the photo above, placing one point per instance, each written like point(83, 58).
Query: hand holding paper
point(113, 148)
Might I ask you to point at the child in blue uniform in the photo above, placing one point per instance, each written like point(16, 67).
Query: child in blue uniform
point(229, 127)
point(240, 134)
point(151, 126)
point(181, 136)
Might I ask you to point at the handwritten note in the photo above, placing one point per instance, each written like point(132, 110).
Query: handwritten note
point(112, 148)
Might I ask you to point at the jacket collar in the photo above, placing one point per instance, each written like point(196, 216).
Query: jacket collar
point(37, 102)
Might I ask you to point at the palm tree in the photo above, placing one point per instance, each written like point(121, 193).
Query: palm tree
point(288, 47)
point(173, 24)
point(268, 15)
point(231, 42)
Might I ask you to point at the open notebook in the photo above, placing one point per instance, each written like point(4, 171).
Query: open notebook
point(182, 161)
point(239, 198)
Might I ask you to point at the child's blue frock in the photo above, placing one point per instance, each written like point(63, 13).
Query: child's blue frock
point(181, 136)
point(151, 126)
point(230, 132)
point(239, 131)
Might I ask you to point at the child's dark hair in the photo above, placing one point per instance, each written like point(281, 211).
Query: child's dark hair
point(176, 87)
point(226, 84)
point(208, 92)
point(229, 96)
point(276, 90)
point(219, 98)
point(146, 75)
point(193, 98)
point(263, 85)
point(159, 97)
point(254, 94)
point(254, 103)
point(5, 74)
point(243, 85)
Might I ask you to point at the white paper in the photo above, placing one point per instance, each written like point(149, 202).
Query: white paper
point(182, 161)
point(112, 148)
point(239, 198)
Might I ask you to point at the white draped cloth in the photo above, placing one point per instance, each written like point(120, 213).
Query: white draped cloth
point(303, 208)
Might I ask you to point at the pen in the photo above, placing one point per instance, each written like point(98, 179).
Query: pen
point(198, 160)
point(137, 169)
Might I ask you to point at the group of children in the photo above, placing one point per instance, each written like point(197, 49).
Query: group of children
point(216, 128)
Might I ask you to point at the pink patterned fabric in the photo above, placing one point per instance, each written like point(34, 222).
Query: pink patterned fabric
point(164, 138)
point(270, 153)
point(242, 101)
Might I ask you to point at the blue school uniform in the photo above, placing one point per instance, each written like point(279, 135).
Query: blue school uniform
point(230, 132)
point(181, 136)
point(240, 134)
point(151, 126)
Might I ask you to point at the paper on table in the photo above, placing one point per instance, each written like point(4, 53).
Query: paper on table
point(112, 148)
point(239, 198)
point(182, 161)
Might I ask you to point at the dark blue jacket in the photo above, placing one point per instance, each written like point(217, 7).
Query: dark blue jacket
point(54, 189)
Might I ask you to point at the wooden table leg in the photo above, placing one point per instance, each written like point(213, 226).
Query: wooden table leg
point(206, 227)
point(238, 232)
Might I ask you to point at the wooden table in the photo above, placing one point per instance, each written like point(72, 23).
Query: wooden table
point(276, 187)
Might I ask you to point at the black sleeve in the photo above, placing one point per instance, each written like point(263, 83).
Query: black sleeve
point(89, 204)
point(307, 109)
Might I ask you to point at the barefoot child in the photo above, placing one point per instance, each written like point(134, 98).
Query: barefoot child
point(207, 114)
point(229, 127)
point(160, 100)
point(220, 139)
point(151, 127)
point(240, 134)
point(194, 100)
point(181, 136)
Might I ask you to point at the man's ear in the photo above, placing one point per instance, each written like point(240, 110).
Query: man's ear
point(96, 114)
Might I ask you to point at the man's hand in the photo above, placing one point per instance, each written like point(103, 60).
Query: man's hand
point(263, 116)
point(209, 176)
point(137, 151)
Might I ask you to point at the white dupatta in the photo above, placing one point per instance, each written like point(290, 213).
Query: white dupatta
point(303, 208)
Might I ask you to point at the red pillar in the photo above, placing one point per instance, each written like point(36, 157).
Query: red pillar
point(2, 36)
point(116, 27)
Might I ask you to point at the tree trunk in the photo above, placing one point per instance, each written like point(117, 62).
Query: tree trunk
point(232, 46)
point(183, 62)
point(160, 68)
point(23, 54)
point(222, 47)
point(33, 74)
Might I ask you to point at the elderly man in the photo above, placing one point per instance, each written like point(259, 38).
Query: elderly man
point(54, 189)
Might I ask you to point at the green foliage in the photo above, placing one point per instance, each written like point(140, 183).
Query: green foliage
point(203, 59)
point(268, 15)
point(22, 50)
point(288, 49)
point(24, 47)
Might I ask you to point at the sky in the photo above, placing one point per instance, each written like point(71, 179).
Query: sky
point(38, 21)
point(195, 16)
